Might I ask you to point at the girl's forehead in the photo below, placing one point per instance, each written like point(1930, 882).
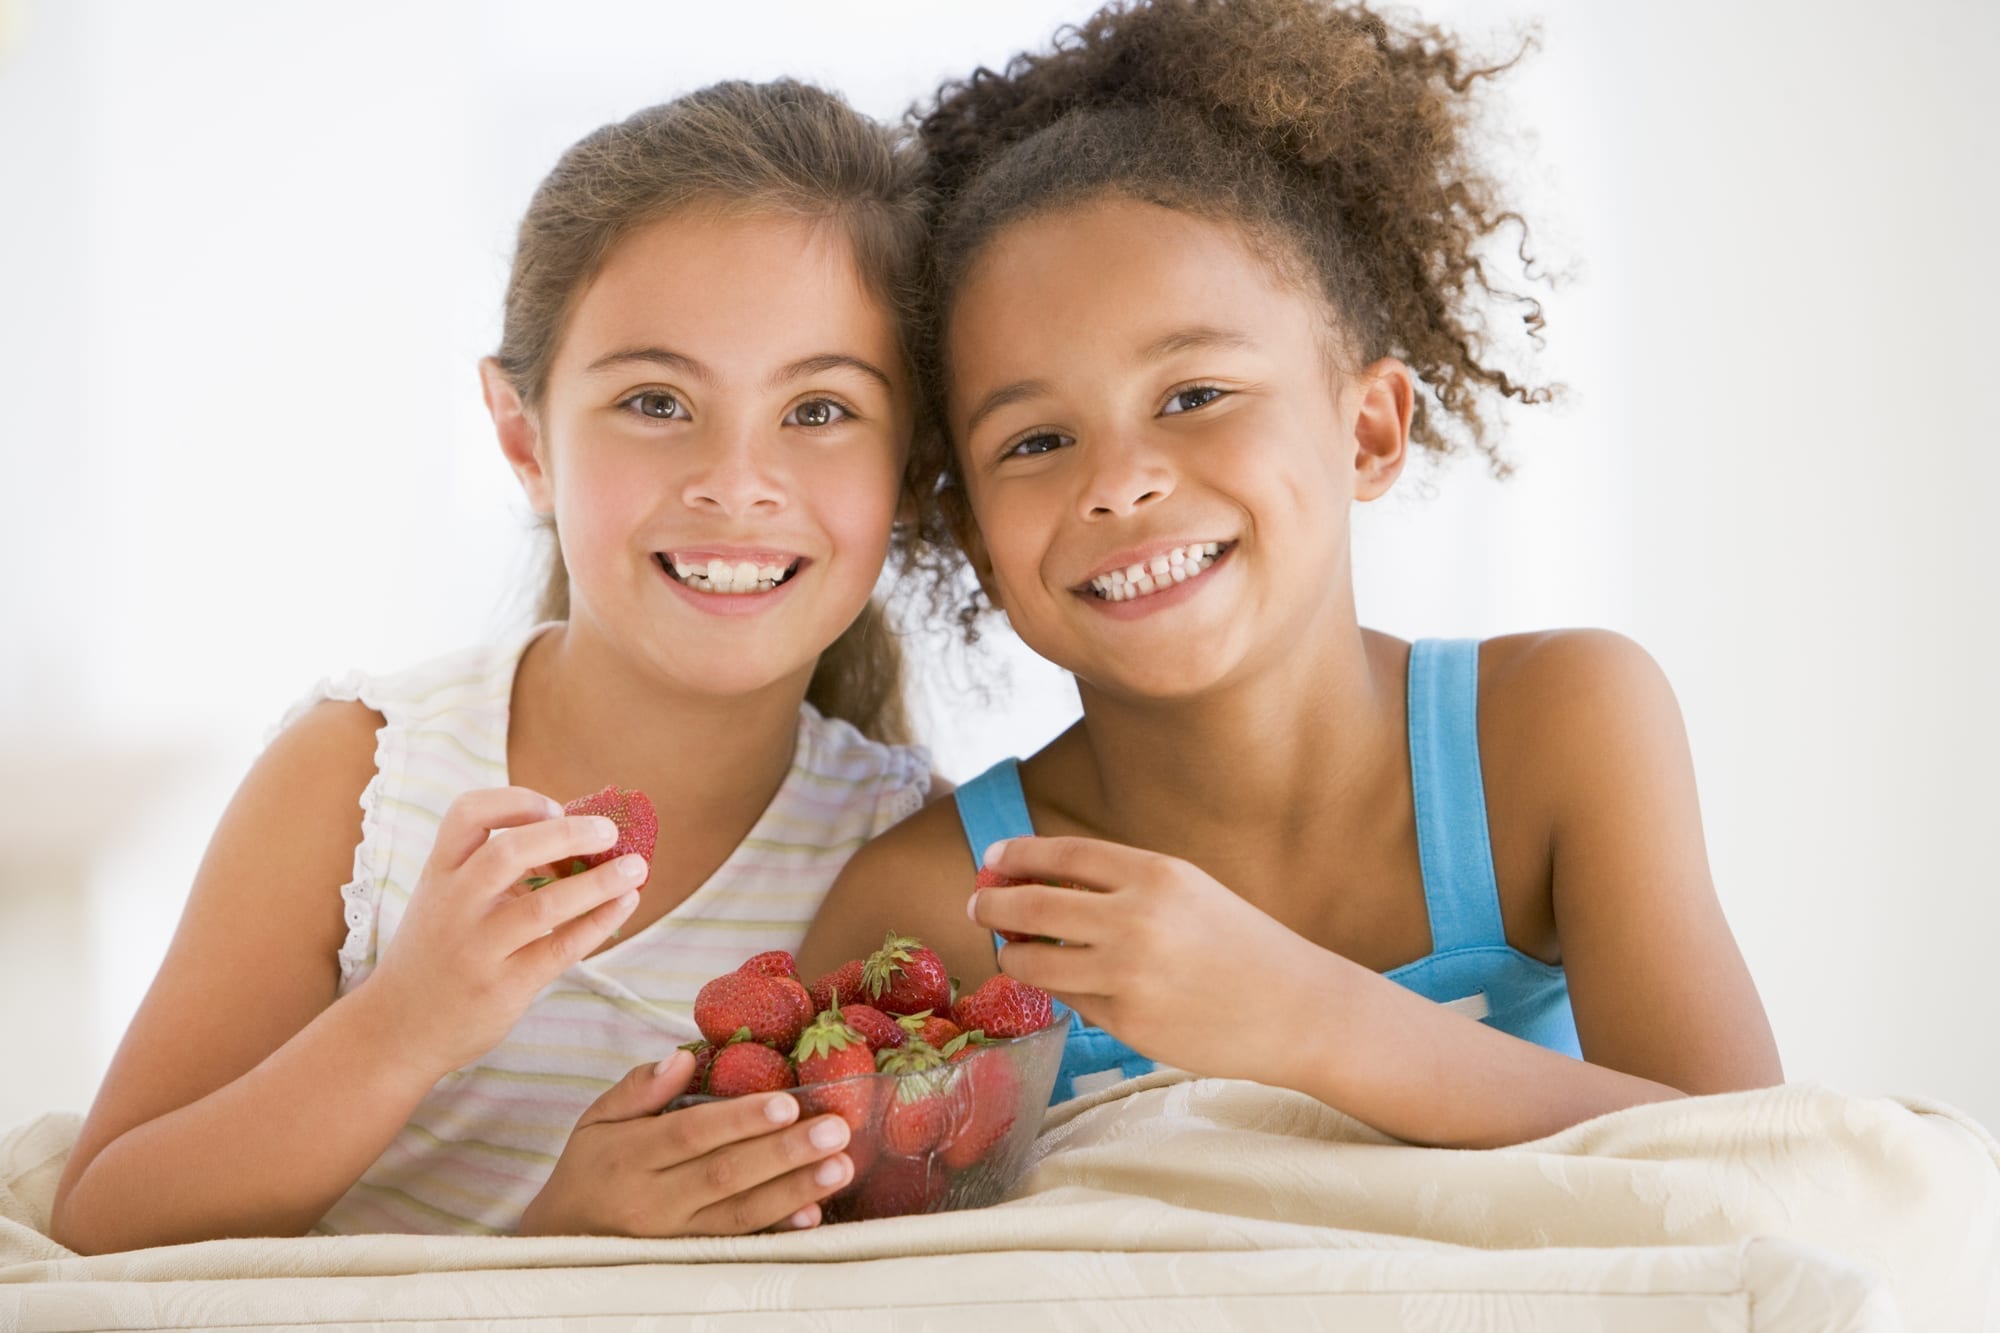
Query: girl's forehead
point(1112, 278)
point(744, 293)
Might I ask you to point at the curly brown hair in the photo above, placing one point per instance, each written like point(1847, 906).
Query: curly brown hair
point(1340, 144)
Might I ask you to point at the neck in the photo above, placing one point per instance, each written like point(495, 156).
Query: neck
point(584, 716)
point(1280, 759)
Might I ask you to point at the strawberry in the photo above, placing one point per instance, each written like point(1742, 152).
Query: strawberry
point(775, 963)
point(993, 879)
point(918, 1113)
point(744, 1067)
point(928, 1027)
point(704, 1056)
point(631, 811)
point(897, 1187)
point(876, 1028)
point(1004, 1007)
point(829, 1050)
point(992, 1094)
point(837, 987)
point(801, 1001)
point(903, 976)
point(748, 1000)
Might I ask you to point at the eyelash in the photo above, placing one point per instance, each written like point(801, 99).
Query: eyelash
point(631, 404)
point(1214, 391)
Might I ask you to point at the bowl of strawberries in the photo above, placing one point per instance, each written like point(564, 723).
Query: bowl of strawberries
point(943, 1095)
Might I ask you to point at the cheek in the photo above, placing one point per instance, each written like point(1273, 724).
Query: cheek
point(855, 497)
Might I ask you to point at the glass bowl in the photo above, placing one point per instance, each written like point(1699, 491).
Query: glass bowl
point(954, 1137)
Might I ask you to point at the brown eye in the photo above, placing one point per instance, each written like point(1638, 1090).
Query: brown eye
point(817, 412)
point(657, 405)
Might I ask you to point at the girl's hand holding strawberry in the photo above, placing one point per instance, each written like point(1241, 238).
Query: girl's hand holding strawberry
point(1161, 955)
point(476, 943)
point(721, 1168)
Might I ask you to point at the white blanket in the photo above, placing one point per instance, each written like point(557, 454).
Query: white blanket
point(1168, 1202)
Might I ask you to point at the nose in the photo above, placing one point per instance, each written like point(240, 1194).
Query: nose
point(1125, 475)
point(736, 475)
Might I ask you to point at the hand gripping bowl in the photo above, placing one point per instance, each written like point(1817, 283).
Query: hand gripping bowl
point(954, 1137)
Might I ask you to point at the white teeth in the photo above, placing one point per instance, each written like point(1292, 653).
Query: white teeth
point(719, 576)
point(1161, 572)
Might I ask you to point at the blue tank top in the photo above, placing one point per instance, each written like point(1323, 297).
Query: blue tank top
point(1471, 967)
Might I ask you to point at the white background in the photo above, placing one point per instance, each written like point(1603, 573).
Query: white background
point(249, 255)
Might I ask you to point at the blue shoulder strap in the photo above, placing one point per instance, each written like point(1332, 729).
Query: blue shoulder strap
point(1453, 845)
point(991, 807)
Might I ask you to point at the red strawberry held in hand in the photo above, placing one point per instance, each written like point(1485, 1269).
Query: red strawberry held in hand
point(993, 879)
point(903, 976)
point(837, 987)
point(748, 1000)
point(631, 811)
point(744, 1067)
point(1004, 1007)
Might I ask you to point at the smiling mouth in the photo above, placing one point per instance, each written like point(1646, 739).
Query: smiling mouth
point(722, 577)
point(1160, 573)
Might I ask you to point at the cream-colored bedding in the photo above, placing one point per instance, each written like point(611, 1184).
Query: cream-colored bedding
point(1168, 1203)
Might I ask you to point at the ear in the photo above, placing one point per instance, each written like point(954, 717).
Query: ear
point(1382, 426)
point(520, 438)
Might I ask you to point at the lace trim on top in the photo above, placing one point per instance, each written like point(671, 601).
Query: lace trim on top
point(371, 854)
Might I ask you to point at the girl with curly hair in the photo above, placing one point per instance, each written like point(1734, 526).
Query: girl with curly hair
point(1204, 273)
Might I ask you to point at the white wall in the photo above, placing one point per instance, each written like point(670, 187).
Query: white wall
point(249, 254)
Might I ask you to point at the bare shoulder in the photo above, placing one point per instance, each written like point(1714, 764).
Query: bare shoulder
point(913, 879)
point(254, 958)
point(1560, 704)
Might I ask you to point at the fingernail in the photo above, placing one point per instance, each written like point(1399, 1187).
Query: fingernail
point(828, 1133)
point(831, 1172)
point(803, 1218)
point(604, 828)
point(668, 1063)
point(780, 1109)
point(971, 912)
point(633, 866)
point(992, 856)
point(555, 810)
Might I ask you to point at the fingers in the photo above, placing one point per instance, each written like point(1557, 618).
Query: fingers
point(642, 1092)
point(1090, 862)
point(470, 819)
point(547, 956)
point(784, 1200)
point(1060, 969)
point(764, 1181)
point(1035, 909)
point(506, 858)
point(523, 919)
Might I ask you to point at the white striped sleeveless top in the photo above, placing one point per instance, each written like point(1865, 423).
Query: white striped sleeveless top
point(483, 1141)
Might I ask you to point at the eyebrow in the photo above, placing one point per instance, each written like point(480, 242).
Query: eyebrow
point(1180, 340)
point(695, 370)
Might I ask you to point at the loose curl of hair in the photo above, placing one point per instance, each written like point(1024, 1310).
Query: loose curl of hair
point(1341, 145)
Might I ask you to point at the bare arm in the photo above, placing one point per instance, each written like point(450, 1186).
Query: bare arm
point(914, 879)
point(246, 1099)
point(1663, 1003)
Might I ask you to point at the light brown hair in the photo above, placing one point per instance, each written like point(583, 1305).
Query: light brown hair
point(780, 148)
